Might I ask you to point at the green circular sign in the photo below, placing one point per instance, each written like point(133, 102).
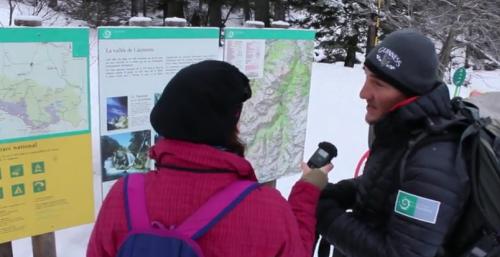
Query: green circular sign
point(459, 77)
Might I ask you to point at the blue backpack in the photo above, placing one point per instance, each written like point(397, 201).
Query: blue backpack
point(152, 239)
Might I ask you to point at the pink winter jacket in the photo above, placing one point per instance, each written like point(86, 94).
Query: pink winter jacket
point(264, 224)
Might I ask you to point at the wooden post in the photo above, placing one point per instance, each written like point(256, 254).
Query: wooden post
point(44, 245)
point(6, 249)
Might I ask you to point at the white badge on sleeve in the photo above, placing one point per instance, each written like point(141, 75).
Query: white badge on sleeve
point(417, 207)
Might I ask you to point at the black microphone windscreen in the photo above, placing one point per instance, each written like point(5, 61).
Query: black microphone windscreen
point(328, 147)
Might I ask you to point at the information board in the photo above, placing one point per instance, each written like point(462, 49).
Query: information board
point(273, 123)
point(135, 65)
point(45, 142)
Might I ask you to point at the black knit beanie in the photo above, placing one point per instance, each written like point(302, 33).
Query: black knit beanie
point(407, 60)
point(202, 103)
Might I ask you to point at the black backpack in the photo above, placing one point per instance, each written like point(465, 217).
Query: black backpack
point(477, 233)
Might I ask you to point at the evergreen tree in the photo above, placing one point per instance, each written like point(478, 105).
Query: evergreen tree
point(99, 12)
point(139, 146)
point(341, 27)
point(108, 147)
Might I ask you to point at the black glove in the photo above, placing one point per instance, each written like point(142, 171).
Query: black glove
point(327, 211)
point(344, 192)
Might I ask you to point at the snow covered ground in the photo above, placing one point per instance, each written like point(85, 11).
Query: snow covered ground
point(335, 114)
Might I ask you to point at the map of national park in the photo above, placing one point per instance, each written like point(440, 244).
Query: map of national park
point(274, 119)
point(43, 90)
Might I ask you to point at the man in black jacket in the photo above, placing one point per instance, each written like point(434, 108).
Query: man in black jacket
point(406, 203)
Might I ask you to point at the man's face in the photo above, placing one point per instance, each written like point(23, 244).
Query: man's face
point(380, 97)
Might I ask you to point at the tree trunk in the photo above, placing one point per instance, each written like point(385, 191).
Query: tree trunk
point(246, 9)
point(372, 34)
point(164, 9)
point(195, 20)
point(467, 56)
point(180, 9)
point(52, 4)
point(352, 46)
point(279, 10)
point(11, 11)
point(144, 8)
point(468, 50)
point(262, 11)
point(175, 8)
point(444, 55)
point(135, 8)
point(215, 13)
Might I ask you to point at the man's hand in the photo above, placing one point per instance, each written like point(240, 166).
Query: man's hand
point(326, 213)
point(344, 192)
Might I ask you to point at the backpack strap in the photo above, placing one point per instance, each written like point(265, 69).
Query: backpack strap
point(216, 208)
point(411, 146)
point(424, 137)
point(135, 202)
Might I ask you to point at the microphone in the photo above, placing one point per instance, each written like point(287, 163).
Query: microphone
point(324, 154)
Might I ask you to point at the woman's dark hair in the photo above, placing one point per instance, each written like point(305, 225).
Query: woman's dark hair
point(234, 143)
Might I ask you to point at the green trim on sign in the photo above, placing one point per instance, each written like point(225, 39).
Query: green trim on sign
point(79, 37)
point(108, 33)
point(47, 136)
point(252, 33)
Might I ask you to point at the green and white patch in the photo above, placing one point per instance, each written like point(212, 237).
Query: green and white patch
point(417, 207)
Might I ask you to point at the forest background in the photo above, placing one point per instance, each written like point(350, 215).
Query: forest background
point(465, 32)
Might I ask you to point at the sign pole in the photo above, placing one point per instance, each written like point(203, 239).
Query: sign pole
point(457, 91)
point(44, 245)
point(6, 249)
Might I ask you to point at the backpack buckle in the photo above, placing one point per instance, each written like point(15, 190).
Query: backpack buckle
point(158, 225)
point(485, 245)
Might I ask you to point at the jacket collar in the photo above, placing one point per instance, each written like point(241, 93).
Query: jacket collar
point(425, 112)
point(201, 157)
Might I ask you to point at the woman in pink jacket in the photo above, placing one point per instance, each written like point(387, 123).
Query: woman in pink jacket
point(199, 155)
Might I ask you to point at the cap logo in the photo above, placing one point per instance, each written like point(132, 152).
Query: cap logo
point(388, 58)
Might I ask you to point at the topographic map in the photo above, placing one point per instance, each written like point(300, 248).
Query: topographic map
point(43, 90)
point(273, 122)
